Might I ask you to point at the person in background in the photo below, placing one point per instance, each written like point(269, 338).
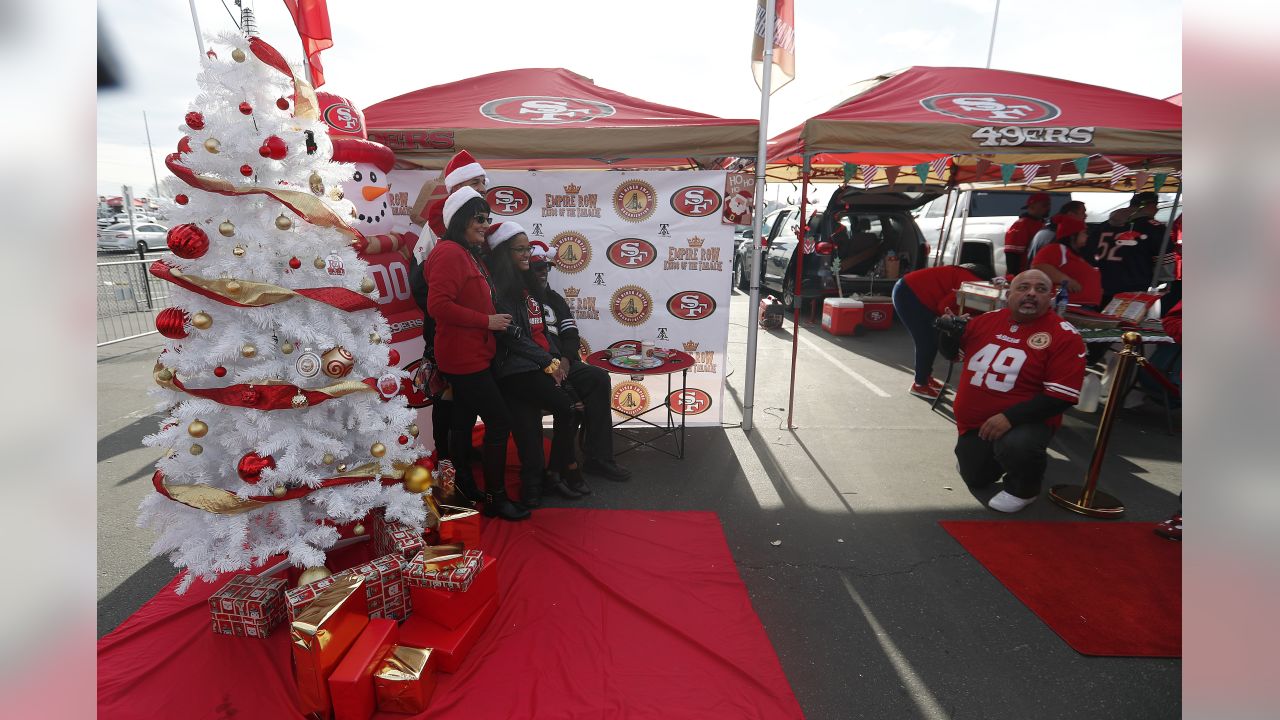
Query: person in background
point(1018, 237)
point(529, 369)
point(1047, 234)
point(460, 299)
point(919, 298)
point(1023, 367)
point(1065, 260)
point(590, 383)
point(1172, 324)
point(1126, 251)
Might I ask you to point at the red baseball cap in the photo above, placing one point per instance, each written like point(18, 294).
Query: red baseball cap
point(1067, 226)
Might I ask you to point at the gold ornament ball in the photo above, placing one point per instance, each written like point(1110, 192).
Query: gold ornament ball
point(248, 350)
point(313, 574)
point(358, 529)
point(417, 479)
point(238, 55)
point(413, 430)
point(165, 375)
point(283, 223)
point(337, 193)
point(286, 348)
point(299, 400)
point(196, 449)
point(226, 229)
point(317, 184)
point(342, 467)
point(233, 287)
point(375, 338)
point(201, 321)
point(377, 450)
point(319, 263)
point(238, 251)
point(278, 491)
point(367, 286)
point(327, 459)
point(212, 145)
point(197, 428)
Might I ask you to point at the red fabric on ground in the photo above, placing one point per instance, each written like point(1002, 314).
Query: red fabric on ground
point(604, 613)
point(1106, 588)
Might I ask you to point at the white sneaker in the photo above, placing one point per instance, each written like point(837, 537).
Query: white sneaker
point(1006, 503)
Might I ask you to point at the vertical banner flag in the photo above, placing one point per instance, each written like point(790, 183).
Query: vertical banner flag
point(784, 44)
point(739, 199)
point(312, 20)
point(638, 256)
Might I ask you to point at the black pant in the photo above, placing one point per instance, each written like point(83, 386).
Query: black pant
point(592, 385)
point(441, 420)
point(475, 395)
point(1021, 455)
point(528, 394)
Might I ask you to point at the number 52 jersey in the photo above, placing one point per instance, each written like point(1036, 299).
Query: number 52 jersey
point(1007, 362)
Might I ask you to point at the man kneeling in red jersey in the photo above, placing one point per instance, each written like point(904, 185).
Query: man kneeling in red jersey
point(1023, 366)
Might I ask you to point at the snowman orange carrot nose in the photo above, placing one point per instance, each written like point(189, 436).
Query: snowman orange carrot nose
point(372, 192)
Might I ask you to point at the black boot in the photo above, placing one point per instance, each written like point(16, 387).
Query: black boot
point(497, 505)
point(556, 484)
point(531, 492)
point(573, 478)
point(607, 469)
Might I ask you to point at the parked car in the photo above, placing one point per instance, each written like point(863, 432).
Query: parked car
point(742, 248)
point(117, 238)
point(859, 228)
point(975, 222)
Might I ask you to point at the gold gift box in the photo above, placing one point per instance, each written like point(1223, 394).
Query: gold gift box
point(405, 680)
point(459, 525)
point(321, 634)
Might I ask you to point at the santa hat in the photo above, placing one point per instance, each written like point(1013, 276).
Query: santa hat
point(456, 200)
point(345, 124)
point(435, 218)
point(538, 252)
point(461, 168)
point(499, 233)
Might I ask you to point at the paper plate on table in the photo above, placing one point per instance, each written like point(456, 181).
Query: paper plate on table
point(635, 362)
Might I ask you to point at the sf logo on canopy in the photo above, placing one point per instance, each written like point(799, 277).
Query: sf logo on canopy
point(992, 107)
point(545, 110)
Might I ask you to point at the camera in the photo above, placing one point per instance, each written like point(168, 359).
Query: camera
point(952, 325)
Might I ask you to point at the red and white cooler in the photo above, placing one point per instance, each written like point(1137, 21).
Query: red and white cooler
point(841, 316)
point(877, 312)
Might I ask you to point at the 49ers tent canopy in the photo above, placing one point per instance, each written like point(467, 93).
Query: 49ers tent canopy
point(922, 113)
point(548, 114)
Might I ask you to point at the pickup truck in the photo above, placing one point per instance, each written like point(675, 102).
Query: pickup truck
point(975, 222)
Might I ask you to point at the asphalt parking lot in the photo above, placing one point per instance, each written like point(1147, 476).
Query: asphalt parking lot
point(874, 611)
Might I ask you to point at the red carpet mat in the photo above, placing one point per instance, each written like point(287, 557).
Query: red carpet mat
point(1106, 588)
point(604, 614)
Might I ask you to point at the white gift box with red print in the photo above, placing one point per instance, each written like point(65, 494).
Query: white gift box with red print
point(454, 574)
point(249, 606)
point(392, 537)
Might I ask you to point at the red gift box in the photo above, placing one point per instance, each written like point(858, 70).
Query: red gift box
point(351, 683)
point(452, 608)
point(452, 644)
point(448, 573)
point(459, 525)
point(384, 587)
point(406, 679)
point(392, 537)
point(321, 635)
point(249, 606)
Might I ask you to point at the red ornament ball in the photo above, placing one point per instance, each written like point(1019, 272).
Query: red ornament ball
point(211, 55)
point(274, 148)
point(282, 104)
point(295, 263)
point(393, 357)
point(172, 323)
point(188, 241)
point(246, 108)
point(195, 120)
point(184, 145)
point(181, 199)
point(251, 466)
point(404, 439)
point(220, 371)
point(246, 170)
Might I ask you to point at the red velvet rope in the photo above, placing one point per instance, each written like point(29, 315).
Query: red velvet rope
point(268, 397)
point(1168, 384)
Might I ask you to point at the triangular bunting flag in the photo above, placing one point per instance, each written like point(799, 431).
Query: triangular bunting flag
point(1054, 172)
point(980, 169)
point(850, 172)
point(1159, 181)
point(923, 171)
point(868, 175)
point(891, 175)
point(1082, 164)
point(1029, 172)
point(1140, 180)
point(939, 168)
point(1118, 172)
point(1006, 172)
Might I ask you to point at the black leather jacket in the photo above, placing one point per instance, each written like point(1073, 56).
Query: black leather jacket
point(517, 351)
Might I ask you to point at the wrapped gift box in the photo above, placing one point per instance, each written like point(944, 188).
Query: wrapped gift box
point(351, 683)
point(459, 525)
point(321, 634)
point(451, 644)
point(405, 680)
point(453, 608)
point(445, 571)
point(249, 606)
point(384, 586)
point(392, 537)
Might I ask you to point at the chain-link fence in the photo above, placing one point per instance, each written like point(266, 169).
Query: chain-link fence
point(128, 299)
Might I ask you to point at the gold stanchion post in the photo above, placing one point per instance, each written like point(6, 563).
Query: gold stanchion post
point(1088, 500)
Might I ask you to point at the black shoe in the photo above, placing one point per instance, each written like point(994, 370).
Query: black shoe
point(497, 505)
point(573, 478)
point(606, 469)
point(531, 494)
point(555, 483)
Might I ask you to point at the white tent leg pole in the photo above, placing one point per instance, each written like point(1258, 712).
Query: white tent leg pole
point(757, 221)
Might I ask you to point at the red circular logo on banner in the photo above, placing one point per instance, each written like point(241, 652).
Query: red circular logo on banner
point(992, 107)
point(695, 201)
point(507, 200)
point(344, 118)
point(691, 305)
point(632, 253)
point(693, 401)
point(545, 110)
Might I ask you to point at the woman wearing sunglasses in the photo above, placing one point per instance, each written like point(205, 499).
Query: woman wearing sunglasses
point(460, 300)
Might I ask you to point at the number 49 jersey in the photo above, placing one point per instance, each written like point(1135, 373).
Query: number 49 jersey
point(1006, 363)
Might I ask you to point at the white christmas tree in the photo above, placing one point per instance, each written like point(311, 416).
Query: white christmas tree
point(284, 418)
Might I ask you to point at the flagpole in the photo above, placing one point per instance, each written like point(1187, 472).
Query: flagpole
point(195, 20)
point(757, 219)
point(992, 45)
point(151, 153)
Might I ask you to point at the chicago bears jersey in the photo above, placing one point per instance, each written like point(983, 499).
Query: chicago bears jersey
point(1007, 362)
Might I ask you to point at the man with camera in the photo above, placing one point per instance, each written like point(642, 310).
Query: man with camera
point(1023, 366)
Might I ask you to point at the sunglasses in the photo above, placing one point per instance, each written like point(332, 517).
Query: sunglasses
point(521, 250)
point(482, 219)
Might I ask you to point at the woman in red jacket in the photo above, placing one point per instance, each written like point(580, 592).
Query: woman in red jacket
point(919, 298)
point(460, 300)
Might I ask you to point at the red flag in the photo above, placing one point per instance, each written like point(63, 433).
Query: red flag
point(312, 19)
point(784, 43)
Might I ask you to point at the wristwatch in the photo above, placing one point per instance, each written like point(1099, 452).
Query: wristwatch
point(551, 369)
